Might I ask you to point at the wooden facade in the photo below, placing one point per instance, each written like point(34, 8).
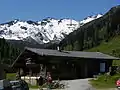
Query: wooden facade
point(63, 67)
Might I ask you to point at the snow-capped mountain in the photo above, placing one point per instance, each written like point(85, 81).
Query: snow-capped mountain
point(90, 18)
point(44, 31)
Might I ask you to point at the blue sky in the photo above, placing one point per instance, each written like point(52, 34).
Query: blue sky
point(40, 9)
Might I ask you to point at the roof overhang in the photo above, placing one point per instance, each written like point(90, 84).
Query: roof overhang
point(75, 54)
point(66, 54)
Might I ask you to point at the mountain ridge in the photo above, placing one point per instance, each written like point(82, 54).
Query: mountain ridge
point(44, 31)
point(93, 33)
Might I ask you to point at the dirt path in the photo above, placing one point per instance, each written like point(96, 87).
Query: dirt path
point(79, 84)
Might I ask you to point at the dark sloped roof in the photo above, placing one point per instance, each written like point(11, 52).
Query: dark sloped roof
point(79, 54)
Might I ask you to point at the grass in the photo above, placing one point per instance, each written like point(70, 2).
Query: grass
point(107, 47)
point(11, 76)
point(33, 86)
point(105, 81)
point(102, 84)
point(36, 86)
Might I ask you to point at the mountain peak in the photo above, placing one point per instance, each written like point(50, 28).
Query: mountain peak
point(90, 18)
point(47, 30)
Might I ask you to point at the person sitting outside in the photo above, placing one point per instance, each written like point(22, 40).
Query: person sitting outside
point(40, 82)
point(49, 80)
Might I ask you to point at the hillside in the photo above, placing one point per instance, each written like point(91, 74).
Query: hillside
point(8, 53)
point(112, 47)
point(93, 33)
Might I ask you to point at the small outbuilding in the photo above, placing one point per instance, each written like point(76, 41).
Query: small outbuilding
point(62, 64)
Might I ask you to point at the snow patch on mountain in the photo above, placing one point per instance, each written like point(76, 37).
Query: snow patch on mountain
point(44, 31)
point(90, 18)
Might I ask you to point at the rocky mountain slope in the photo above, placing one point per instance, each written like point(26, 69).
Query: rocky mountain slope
point(44, 31)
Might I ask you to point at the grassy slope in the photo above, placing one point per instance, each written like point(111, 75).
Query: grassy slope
point(107, 47)
point(105, 81)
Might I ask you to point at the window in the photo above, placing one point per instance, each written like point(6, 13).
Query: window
point(53, 67)
point(102, 67)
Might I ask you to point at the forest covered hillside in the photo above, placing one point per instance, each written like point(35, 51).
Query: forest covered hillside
point(8, 53)
point(92, 34)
